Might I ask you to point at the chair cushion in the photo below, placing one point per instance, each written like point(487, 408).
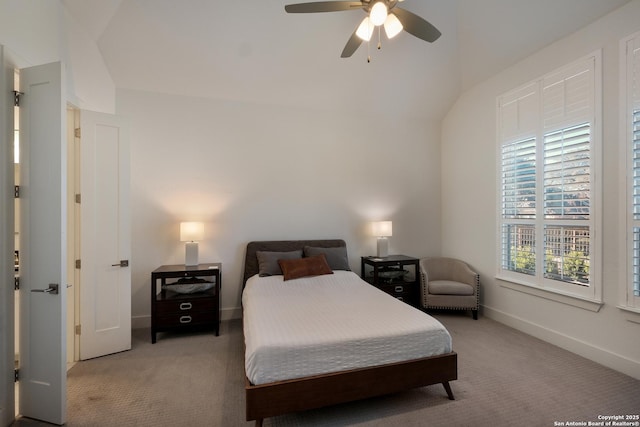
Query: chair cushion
point(449, 287)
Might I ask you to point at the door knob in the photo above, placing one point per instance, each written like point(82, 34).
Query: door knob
point(122, 263)
point(52, 289)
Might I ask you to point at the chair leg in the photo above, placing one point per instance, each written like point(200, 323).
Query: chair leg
point(475, 314)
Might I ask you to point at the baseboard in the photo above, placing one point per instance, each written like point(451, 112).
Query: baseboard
point(231, 313)
point(581, 348)
point(139, 322)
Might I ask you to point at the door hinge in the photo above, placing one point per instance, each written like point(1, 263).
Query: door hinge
point(16, 98)
point(78, 263)
point(16, 375)
point(16, 191)
point(78, 198)
point(76, 132)
point(78, 329)
point(16, 283)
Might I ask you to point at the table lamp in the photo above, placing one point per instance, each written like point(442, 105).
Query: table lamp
point(382, 230)
point(191, 233)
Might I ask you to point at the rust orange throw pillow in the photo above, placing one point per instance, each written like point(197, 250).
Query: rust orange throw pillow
point(303, 267)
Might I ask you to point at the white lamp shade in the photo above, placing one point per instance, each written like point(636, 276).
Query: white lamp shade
point(365, 30)
point(382, 228)
point(191, 231)
point(392, 26)
point(378, 13)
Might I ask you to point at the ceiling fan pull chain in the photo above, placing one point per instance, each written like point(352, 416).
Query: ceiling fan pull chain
point(379, 43)
point(368, 52)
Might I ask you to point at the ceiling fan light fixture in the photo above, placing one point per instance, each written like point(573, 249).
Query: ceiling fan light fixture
point(365, 30)
point(392, 26)
point(378, 13)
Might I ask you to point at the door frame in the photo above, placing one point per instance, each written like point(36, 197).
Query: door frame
point(73, 235)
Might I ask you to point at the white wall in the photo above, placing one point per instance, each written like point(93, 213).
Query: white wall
point(609, 336)
point(259, 172)
point(37, 32)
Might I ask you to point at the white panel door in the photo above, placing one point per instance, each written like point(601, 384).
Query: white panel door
point(7, 397)
point(43, 243)
point(105, 242)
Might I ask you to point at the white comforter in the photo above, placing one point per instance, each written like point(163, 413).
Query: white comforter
point(330, 323)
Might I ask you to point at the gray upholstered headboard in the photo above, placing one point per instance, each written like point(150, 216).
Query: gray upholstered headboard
point(251, 260)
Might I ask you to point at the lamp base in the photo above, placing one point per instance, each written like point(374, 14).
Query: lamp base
point(191, 254)
point(383, 247)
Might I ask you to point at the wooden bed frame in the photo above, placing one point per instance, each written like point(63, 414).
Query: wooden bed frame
point(268, 400)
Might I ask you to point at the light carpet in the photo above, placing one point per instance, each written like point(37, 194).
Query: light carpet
point(505, 378)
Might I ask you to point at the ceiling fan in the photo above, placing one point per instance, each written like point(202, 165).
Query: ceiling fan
point(379, 13)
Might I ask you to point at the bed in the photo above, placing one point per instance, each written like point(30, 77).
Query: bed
point(292, 363)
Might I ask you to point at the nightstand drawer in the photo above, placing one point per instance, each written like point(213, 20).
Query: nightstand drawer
point(185, 306)
point(405, 291)
point(397, 288)
point(185, 319)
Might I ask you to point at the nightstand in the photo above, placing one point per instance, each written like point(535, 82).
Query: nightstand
point(397, 275)
point(172, 310)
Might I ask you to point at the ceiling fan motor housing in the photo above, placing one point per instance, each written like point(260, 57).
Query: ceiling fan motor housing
point(368, 4)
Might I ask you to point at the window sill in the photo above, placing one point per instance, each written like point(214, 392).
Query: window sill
point(632, 313)
point(572, 300)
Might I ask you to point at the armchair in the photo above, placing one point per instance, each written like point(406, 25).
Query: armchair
point(449, 283)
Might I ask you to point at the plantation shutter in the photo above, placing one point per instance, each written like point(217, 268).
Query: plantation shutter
point(568, 96)
point(519, 179)
point(519, 119)
point(519, 113)
point(567, 173)
point(568, 108)
point(633, 84)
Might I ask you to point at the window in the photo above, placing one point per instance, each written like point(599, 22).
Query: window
point(547, 182)
point(630, 293)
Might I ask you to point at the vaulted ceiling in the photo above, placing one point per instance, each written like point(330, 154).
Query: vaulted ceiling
point(253, 51)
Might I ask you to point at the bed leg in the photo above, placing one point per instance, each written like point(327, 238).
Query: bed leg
point(259, 422)
point(447, 388)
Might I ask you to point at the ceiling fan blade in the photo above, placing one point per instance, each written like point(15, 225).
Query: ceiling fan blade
point(415, 25)
point(352, 45)
point(323, 6)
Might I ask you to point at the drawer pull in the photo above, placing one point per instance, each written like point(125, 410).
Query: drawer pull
point(400, 298)
point(185, 319)
point(185, 306)
point(399, 289)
